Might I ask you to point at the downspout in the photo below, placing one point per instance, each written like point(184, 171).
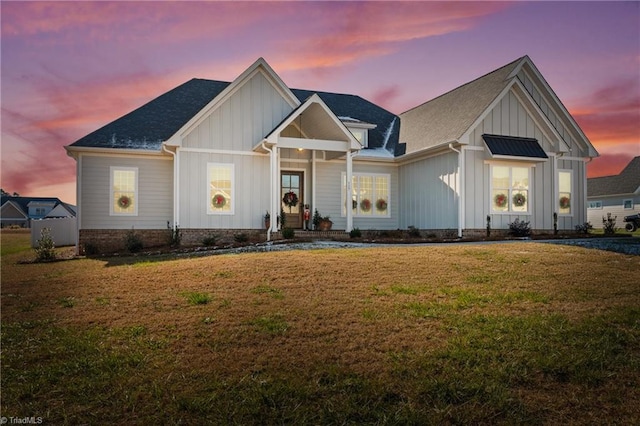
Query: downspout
point(271, 189)
point(175, 184)
point(459, 186)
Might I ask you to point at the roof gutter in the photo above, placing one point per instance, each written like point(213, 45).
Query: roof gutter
point(459, 187)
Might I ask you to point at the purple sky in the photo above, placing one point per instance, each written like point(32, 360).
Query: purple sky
point(68, 68)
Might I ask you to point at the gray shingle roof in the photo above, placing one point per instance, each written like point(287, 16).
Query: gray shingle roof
point(156, 121)
point(627, 182)
point(447, 117)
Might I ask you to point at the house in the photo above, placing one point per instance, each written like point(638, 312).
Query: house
point(618, 195)
point(20, 211)
point(212, 156)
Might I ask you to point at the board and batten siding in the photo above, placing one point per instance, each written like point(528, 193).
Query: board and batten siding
point(577, 150)
point(429, 192)
point(243, 120)
point(251, 190)
point(509, 117)
point(154, 197)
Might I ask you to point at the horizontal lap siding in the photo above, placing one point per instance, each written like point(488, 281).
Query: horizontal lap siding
point(330, 196)
point(155, 193)
point(429, 197)
point(614, 206)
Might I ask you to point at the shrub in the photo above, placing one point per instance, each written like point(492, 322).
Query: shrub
point(132, 242)
point(46, 248)
point(210, 240)
point(519, 228)
point(355, 233)
point(288, 233)
point(555, 223)
point(240, 237)
point(584, 228)
point(91, 248)
point(488, 226)
point(609, 224)
point(414, 232)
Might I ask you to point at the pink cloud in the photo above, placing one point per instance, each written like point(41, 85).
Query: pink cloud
point(608, 165)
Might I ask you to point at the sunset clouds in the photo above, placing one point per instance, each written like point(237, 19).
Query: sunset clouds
point(68, 68)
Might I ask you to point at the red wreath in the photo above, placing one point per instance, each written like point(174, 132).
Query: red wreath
point(500, 200)
point(219, 201)
point(381, 204)
point(124, 202)
point(565, 202)
point(365, 205)
point(290, 199)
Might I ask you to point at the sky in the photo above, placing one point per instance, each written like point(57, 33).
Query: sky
point(68, 68)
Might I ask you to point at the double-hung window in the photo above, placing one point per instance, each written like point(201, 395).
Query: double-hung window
point(565, 200)
point(510, 189)
point(124, 191)
point(370, 194)
point(220, 196)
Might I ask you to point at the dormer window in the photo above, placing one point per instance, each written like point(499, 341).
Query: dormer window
point(360, 135)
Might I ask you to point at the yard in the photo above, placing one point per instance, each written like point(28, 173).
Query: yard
point(452, 334)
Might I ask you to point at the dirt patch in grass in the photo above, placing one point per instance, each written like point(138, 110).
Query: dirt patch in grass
point(507, 333)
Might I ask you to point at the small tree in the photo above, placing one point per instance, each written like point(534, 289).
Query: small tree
point(132, 242)
point(609, 224)
point(45, 250)
point(316, 219)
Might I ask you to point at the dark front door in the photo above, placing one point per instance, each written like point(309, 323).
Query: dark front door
point(292, 182)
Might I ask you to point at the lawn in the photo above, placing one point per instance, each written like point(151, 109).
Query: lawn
point(453, 334)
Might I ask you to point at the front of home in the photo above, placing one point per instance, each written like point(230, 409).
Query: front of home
point(211, 156)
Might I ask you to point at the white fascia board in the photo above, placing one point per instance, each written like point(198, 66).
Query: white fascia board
point(549, 91)
point(273, 138)
point(539, 115)
point(360, 125)
point(258, 66)
point(518, 158)
point(74, 151)
point(313, 144)
point(431, 151)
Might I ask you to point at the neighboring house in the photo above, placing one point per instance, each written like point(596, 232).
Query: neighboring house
point(20, 211)
point(618, 195)
point(213, 156)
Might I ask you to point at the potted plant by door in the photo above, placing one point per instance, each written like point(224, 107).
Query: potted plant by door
point(321, 223)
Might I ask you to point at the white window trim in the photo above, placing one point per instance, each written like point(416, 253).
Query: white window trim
point(572, 193)
point(210, 209)
point(624, 201)
point(136, 199)
point(387, 215)
point(529, 210)
point(598, 205)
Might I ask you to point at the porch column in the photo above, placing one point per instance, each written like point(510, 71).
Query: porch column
point(348, 192)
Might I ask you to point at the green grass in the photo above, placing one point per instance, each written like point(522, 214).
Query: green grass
point(196, 298)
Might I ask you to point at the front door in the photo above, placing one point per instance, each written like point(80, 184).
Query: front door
point(292, 183)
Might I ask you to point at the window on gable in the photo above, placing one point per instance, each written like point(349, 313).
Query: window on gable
point(565, 199)
point(510, 189)
point(361, 135)
point(627, 204)
point(370, 194)
point(124, 189)
point(220, 196)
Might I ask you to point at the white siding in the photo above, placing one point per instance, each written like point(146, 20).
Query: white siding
point(250, 197)
point(243, 120)
point(330, 199)
point(155, 192)
point(429, 193)
point(614, 206)
point(509, 117)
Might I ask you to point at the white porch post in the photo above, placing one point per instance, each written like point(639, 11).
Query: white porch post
point(348, 192)
point(276, 178)
point(313, 181)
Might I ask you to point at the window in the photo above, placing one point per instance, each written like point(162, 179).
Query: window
point(220, 188)
point(510, 189)
point(593, 205)
point(360, 135)
point(124, 191)
point(627, 204)
point(369, 194)
point(564, 191)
